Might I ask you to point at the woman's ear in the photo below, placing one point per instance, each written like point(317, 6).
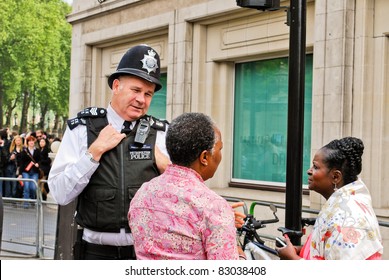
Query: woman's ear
point(204, 158)
point(337, 177)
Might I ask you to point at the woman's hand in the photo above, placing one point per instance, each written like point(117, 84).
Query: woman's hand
point(239, 222)
point(289, 252)
point(242, 255)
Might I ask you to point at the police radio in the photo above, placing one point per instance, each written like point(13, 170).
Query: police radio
point(142, 132)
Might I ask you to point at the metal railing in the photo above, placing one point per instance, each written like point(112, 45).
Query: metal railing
point(17, 214)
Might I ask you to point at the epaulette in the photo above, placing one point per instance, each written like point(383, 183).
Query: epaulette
point(157, 123)
point(72, 123)
point(90, 112)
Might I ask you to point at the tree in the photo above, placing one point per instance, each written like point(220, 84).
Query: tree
point(34, 57)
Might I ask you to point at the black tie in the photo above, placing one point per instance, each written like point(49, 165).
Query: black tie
point(126, 127)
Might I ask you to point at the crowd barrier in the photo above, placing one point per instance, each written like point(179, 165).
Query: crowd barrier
point(29, 225)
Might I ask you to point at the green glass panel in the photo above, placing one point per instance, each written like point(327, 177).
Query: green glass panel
point(260, 120)
point(158, 103)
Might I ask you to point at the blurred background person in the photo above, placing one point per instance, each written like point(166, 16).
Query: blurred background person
point(16, 148)
point(45, 163)
point(4, 154)
point(11, 171)
point(29, 167)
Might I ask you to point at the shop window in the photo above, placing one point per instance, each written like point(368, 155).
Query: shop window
point(158, 104)
point(260, 121)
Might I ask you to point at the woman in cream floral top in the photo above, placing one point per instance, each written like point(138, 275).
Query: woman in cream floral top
point(346, 227)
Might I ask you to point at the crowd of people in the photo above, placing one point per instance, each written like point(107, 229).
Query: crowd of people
point(25, 156)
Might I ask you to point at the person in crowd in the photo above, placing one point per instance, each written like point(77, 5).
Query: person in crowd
point(39, 134)
point(346, 227)
point(175, 215)
point(13, 169)
point(45, 163)
point(106, 154)
point(4, 154)
point(29, 167)
point(51, 138)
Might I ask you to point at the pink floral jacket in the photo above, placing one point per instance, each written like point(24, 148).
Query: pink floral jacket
point(346, 227)
point(176, 216)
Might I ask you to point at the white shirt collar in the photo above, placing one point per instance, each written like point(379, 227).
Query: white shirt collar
point(115, 119)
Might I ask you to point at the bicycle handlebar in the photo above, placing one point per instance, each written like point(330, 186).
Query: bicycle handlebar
point(290, 232)
point(308, 221)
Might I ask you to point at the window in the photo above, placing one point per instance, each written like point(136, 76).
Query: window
point(158, 103)
point(260, 120)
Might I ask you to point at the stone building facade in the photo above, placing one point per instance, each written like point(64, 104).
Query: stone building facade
point(201, 41)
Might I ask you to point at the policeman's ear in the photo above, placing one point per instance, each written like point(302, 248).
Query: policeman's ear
point(116, 84)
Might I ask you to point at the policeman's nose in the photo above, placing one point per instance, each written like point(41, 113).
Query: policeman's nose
point(140, 97)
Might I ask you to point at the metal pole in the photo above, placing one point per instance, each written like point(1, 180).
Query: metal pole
point(296, 84)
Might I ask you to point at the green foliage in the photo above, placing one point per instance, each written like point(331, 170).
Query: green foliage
point(35, 42)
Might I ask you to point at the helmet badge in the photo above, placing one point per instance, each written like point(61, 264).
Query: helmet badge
point(149, 62)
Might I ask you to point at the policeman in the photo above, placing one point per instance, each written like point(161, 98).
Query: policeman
point(106, 154)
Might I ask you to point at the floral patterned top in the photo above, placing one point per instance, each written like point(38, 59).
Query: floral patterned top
point(346, 227)
point(176, 216)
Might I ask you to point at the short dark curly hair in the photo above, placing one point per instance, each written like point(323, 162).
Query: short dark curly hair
point(345, 155)
point(188, 136)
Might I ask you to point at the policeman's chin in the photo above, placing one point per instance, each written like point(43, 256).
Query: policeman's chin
point(135, 114)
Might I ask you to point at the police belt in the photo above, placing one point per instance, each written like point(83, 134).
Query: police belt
point(110, 251)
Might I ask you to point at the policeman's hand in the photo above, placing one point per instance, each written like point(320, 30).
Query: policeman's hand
point(161, 160)
point(107, 140)
point(239, 222)
point(289, 252)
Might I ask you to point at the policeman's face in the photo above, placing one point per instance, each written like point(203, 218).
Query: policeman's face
point(131, 97)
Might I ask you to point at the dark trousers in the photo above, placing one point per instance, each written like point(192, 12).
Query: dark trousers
point(89, 251)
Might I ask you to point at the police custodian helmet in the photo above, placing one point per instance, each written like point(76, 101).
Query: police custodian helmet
point(141, 61)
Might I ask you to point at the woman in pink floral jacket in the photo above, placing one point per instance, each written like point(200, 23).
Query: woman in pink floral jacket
point(346, 227)
point(175, 215)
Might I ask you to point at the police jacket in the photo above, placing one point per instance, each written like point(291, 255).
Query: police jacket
point(103, 205)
